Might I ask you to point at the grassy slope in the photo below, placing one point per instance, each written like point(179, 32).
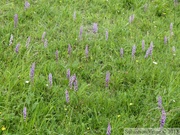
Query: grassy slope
point(137, 81)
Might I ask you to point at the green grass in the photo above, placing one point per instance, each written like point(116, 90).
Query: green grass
point(130, 101)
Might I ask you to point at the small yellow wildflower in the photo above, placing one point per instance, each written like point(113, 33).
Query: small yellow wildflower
point(26, 81)
point(118, 116)
point(3, 128)
point(130, 103)
point(65, 109)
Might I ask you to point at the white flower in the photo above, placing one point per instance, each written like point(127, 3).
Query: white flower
point(26, 81)
point(155, 62)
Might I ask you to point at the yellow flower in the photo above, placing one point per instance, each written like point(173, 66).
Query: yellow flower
point(130, 103)
point(118, 116)
point(3, 128)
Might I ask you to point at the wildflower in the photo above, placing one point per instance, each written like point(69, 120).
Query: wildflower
point(160, 102)
point(71, 80)
point(26, 5)
point(15, 20)
point(24, 113)
point(106, 35)
point(171, 27)
point(75, 84)
point(95, 27)
point(86, 51)
point(131, 18)
point(28, 41)
point(68, 73)
point(3, 128)
point(80, 32)
point(121, 52)
point(11, 40)
point(151, 48)
point(26, 81)
point(108, 129)
point(50, 79)
point(143, 45)
point(133, 51)
point(17, 48)
point(148, 52)
point(67, 96)
point(69, 49)
point(165, 40)
point(119, 116)
point(130, 104)
point(43, 36)
point(45, 43)
point(74, 16)
point(57, 55)
point(107, 78)
point(155, 62)
point(163, 118)
point(32, 71)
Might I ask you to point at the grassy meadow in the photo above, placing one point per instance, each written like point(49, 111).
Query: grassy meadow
point(122, 57)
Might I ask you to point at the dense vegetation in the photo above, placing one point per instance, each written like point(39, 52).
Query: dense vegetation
point(122, 56)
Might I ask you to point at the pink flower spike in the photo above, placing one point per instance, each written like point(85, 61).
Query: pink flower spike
point(15, 20)
point(24, 113)
point(50, 79)
point(95, 27)
point(80, 32)
point(69, 49)
point(67, 96)
point(17, 48)
point(26, 5)
point(43, 36)
point(68, 74)
point(107, 78)
point(106, 35)
point(108, 129)
point(86, 51)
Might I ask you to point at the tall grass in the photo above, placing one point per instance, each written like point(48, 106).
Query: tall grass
point(114, 84)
